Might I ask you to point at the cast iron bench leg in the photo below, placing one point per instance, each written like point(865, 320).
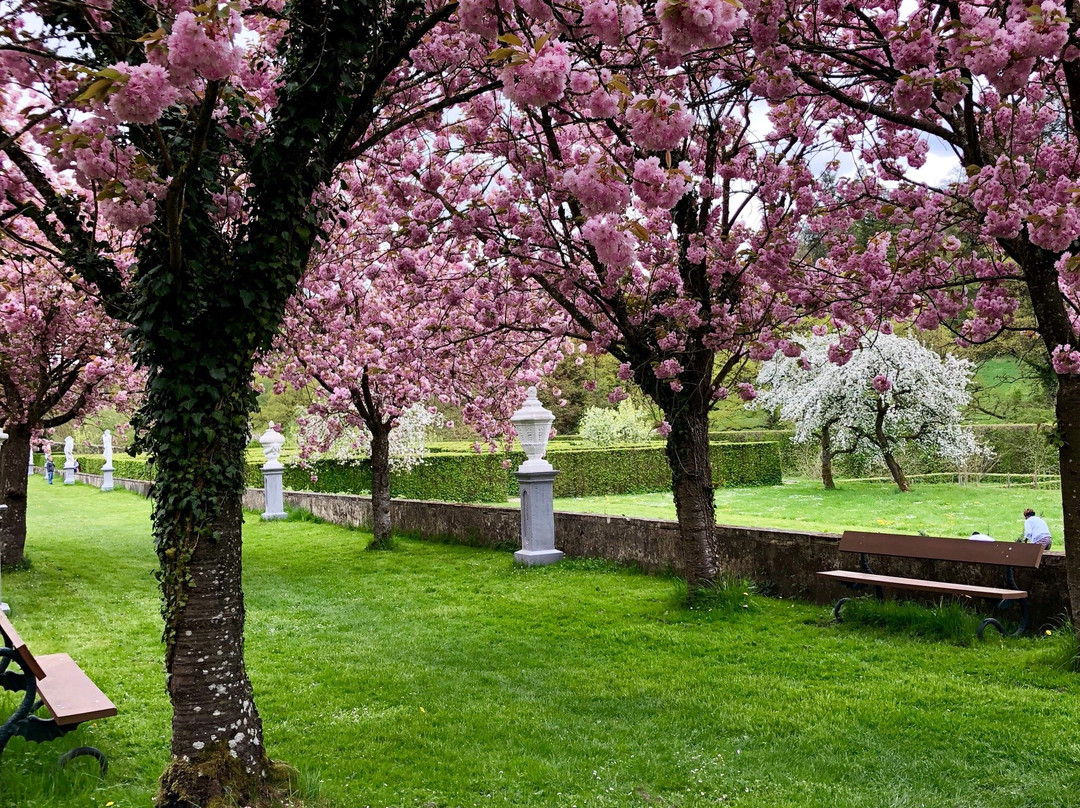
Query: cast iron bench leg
point(836, 609)
point(1024, 617)
point(86, 751)
point(11, 727)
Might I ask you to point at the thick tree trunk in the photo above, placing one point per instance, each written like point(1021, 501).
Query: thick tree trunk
point(826, 460)
point(691, 482)
point(13, 478)
point(1068, 418)
point(217, 736)
point(380, 489)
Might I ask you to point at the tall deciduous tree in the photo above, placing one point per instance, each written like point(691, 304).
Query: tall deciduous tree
point(655, 202)
point(204, 136)
point(379, 326)
point(58, 362)
point(994, 85)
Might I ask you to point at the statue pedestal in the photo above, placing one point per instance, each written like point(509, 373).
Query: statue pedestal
point(69, 474)
point(107, 477)
point(537, 518)
point(273, 488)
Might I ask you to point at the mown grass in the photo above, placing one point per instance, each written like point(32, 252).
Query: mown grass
point(444, 676)
point(935, 508)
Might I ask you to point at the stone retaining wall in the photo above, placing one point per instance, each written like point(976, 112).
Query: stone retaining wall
point(783, 562)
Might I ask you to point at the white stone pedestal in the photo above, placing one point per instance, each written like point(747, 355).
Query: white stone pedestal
point(30, 467)
point(107, 477)
point(69, 474)
point(275, 498)
point(537, 518)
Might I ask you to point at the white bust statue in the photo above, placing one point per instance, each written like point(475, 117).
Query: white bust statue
point(69, 452)
point(106, 448)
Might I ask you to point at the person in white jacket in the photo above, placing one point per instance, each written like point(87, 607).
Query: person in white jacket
point(1036, 530)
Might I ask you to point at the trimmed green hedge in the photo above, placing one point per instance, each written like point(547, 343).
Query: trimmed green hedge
point(643, 470)
point(471, 477)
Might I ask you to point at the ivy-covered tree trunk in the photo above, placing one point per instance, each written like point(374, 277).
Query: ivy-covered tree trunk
point(13, 462)
point(691, 482)
point(380, 487)
point(826, 459)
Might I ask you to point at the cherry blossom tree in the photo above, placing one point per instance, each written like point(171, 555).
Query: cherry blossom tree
point(892, 391)
point(991, 92)
point(379, 327)
point(658, 203)
point(58, 362)
point(175, 156)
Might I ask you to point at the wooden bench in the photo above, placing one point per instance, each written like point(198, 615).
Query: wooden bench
point(52, 681)
point(998, 553)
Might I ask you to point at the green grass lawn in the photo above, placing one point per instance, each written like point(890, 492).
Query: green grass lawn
point(444, 676)
point(936, 509)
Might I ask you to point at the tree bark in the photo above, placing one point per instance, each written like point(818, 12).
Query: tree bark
point(13, 461)
point(886, 452)
point(217, 735)
point(826, 460)
point(1068, 418)
point(380, 488)
point(691, 482)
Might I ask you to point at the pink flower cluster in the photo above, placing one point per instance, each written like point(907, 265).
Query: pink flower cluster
point(659, 123)
point(614, 246)
point(598, 185)
point(144, 95)
point(541, 79)
point(1066, 360)
point(881, 383)
point(688, 25)
point(601, 18)
point(192, 51)
point(657, 187)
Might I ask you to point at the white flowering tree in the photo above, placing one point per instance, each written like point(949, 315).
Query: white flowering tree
point(869, 397)
point(625, 424)
point(333, 437)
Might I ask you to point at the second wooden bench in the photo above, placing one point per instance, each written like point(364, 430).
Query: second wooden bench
point(68, 694)
point(998, 553)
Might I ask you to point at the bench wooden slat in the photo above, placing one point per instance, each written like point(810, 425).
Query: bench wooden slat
point(17, 643)
point(937, 548)
point(69, 694)
point(941, 587)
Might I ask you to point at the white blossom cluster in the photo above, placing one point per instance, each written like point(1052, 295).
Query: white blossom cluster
point(325, 439)
point(891, 386)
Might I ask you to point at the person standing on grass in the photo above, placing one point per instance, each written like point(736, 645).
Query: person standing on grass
point(50, 469)
point(1036, 530)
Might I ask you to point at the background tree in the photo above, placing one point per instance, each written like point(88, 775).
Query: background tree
point(378, 328)
point(58, 362)
point(890, 391)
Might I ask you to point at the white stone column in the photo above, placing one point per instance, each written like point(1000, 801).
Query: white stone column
point(272, 470)
point(107, 467)
point(536, 483)
point(537, 518)
point(30, 468)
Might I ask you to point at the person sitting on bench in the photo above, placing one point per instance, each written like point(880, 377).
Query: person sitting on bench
point(1036, 530)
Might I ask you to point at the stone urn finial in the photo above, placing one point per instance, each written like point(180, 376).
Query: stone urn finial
point(271, 441)
point(533, 424)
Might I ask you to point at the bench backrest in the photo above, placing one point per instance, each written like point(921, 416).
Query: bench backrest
point(1003, 553)
point(16, 642)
